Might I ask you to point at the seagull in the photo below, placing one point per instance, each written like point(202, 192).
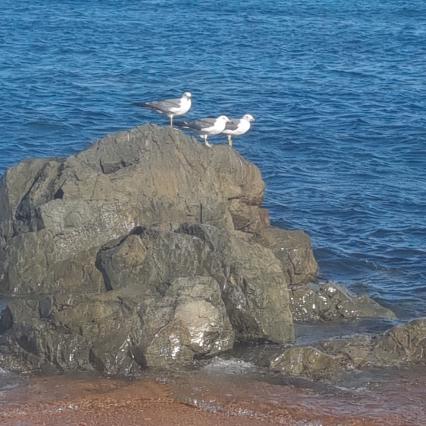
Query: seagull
point(207, 126)
point(170, 107)
point(238, 126)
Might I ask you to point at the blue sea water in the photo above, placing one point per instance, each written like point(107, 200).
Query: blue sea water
point(338, 89)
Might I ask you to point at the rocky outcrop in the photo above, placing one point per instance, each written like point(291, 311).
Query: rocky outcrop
point(331, 302)
point(146, 249)
point(311, 301)
point(149, 249)
point(401, 345)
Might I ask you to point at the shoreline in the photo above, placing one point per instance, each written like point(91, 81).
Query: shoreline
point(202, 398)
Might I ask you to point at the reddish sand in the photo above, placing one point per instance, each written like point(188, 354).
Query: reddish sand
point(70, 401)
point(62, 400)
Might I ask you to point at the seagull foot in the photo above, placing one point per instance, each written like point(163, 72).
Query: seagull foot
point(207, 144)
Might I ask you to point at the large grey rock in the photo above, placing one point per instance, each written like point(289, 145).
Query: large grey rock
point(145, 249)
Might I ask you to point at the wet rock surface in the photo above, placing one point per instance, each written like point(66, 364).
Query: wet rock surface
point(401, 345)
point(6, 320)
point(331, 302)
point(293, 249)
point(197, 326)
point(306, 361)
point(146, 249)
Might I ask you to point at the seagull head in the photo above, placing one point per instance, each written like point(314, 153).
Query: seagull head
point(223, 118)
point(248, 117)
point(187, 95)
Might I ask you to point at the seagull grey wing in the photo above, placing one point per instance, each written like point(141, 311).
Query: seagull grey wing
point(165, 105)
point(232, 125)
point(201, 124)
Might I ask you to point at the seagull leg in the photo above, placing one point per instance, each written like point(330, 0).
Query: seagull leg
point(205, 141)
point(171, 120)
point(230, 140)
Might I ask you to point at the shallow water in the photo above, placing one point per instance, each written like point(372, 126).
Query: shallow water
point(394, 396)
point(230, 388)
point(338, 89)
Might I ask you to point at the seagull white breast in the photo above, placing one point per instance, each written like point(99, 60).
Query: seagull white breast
point(242, 128)
point(183, 108)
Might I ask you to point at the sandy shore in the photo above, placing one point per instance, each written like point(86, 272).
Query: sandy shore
point(69, 401)
point(62, 400)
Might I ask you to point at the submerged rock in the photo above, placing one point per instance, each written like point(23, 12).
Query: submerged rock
point(306, 361)
point(146, 249)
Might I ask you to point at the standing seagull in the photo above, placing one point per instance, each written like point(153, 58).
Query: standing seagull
point(207, 126)
point(238, 126)
point(170, 107)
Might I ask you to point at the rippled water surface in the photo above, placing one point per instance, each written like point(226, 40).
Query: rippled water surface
point(338, 89)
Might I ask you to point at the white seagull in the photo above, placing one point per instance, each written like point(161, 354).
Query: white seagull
point(170, 107)
point(238, 126)
point(207, 126)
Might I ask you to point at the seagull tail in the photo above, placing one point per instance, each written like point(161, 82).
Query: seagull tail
point(142, 104)
point(150, 105)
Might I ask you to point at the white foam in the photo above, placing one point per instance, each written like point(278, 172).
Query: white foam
point(229, 366)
